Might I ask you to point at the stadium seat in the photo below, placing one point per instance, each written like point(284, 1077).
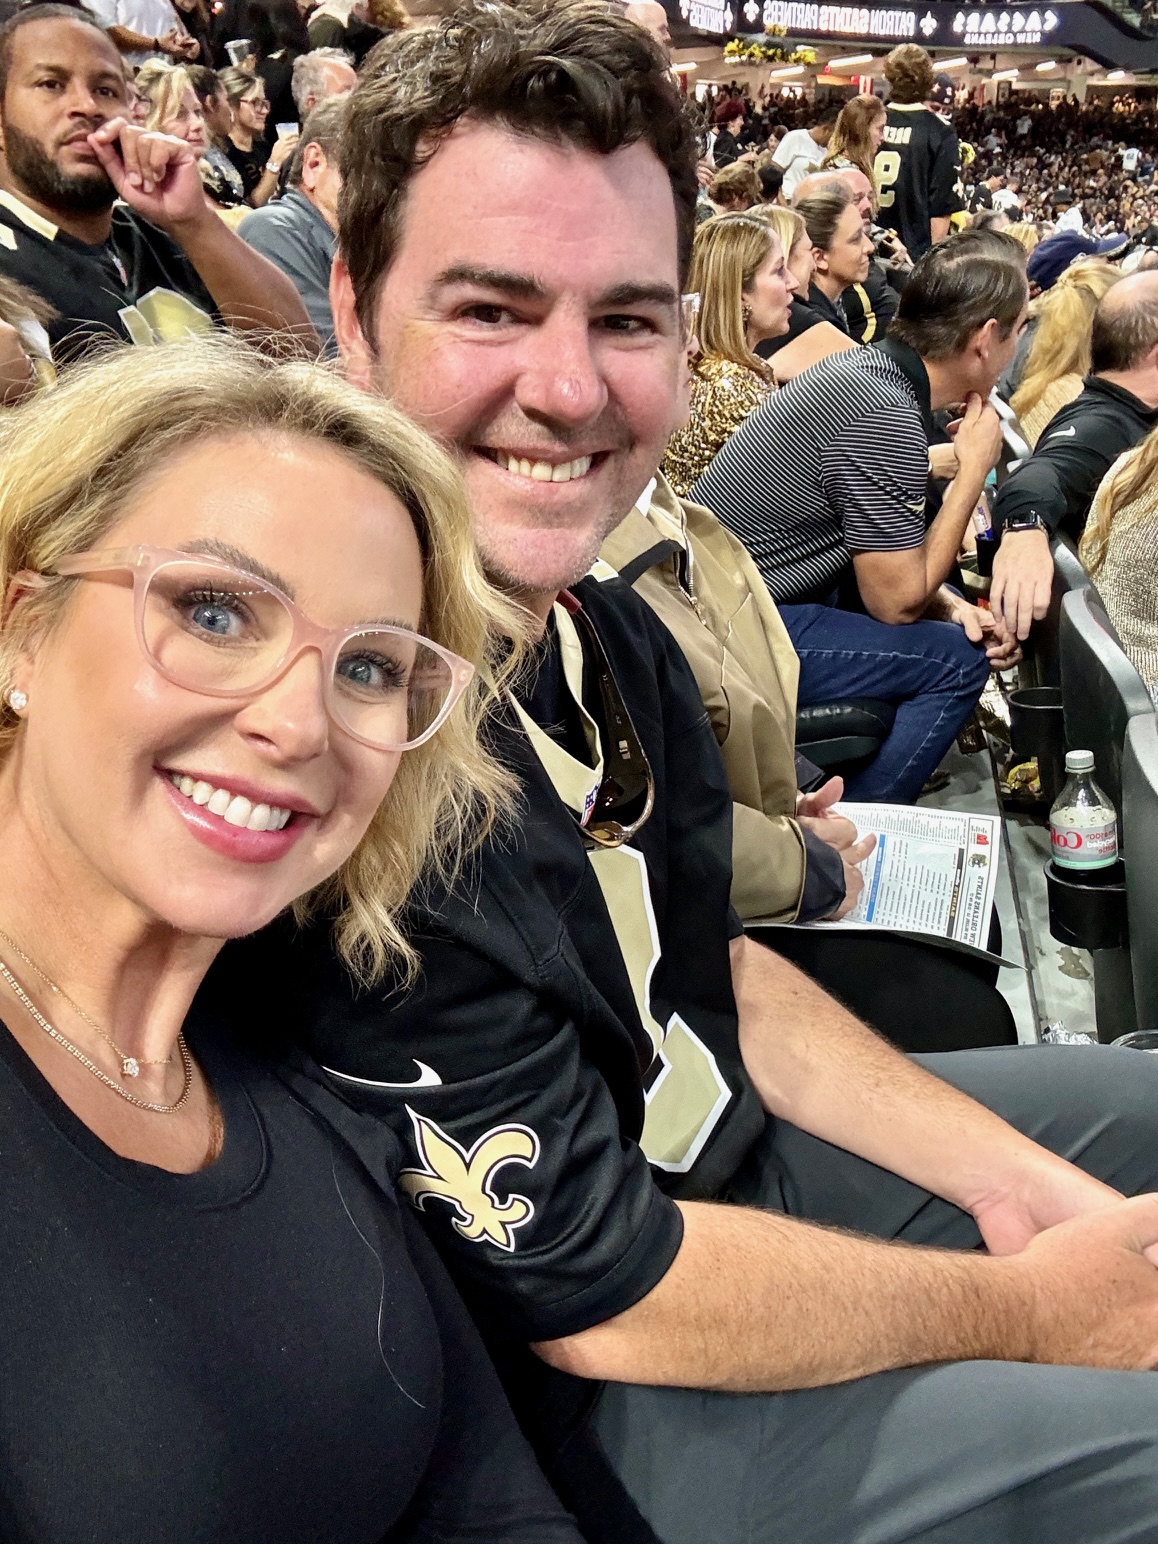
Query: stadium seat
point(1044, 655)
point(843, 736)
point(1101, 690)
point(1140, 845)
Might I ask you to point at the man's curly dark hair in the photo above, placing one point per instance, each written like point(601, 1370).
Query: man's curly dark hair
point(574, 72)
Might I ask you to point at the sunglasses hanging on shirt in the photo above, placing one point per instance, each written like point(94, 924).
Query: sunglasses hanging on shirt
point(626, 794)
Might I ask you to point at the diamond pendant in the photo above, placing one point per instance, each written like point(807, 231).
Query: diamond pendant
point(130, 1067)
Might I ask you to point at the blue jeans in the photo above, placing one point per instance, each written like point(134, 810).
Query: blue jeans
point(929, 669)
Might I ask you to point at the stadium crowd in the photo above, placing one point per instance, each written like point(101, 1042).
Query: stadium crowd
point(435, 469)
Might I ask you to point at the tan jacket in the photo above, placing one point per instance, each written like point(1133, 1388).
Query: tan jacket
point(718, 608)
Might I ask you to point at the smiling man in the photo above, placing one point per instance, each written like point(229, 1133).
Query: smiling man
point(623, 1120)
point(158, 265)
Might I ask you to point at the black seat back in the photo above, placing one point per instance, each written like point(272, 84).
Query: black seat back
point(1068, 576)
point(1140, 843)
point(1101, 690)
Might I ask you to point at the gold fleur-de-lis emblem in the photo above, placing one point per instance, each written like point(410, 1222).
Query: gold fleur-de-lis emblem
point(466, 1180)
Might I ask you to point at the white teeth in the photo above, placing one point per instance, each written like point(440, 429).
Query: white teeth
point(544, 471)
point(233, 808)
point(238, 812)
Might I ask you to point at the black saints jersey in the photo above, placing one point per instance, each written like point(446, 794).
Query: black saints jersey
point(137, 287)
point(918, 174)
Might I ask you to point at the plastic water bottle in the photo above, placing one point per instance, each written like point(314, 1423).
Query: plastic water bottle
point(1083, 826)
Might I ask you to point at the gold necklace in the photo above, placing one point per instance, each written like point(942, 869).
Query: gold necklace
point(85, 1061)
point(130, 1065)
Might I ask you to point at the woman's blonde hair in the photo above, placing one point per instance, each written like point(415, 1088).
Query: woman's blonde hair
point(850, 139)
point(72, 459)
point(1124, 482)
point(787, 225)
point(163, 86)
point(728, 250)
point(1026, 235)
point(1061, 342)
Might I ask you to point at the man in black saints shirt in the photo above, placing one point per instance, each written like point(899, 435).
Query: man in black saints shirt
point(159, 263)
point(918, 167)
point(622, 1118)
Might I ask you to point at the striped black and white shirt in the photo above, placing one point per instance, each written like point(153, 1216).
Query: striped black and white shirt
point(834, 464)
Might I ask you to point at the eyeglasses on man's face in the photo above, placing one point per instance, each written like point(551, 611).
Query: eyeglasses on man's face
point(215, 629)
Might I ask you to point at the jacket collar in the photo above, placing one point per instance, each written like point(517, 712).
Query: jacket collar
point(1116, 393)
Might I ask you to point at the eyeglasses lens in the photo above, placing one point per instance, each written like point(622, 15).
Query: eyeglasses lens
point(220, 631)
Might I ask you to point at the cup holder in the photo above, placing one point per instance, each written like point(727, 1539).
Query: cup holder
point(1085, 913)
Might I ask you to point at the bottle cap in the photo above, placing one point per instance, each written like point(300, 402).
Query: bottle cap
point(1079, 761)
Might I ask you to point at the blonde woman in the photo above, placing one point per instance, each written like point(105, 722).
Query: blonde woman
point(217, 706)
point(745, 288)
point(1059, 356)
point(1120, 552)
point(857, 136)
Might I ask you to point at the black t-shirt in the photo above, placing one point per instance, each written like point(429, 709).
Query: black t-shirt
point(801, 317)
point(871, 306)
point(266, 1350)
point(918, 174)
point(250, 163)
point(137, 287)
point(530, 1029)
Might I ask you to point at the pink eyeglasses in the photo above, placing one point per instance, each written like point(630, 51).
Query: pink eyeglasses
point(213, 628)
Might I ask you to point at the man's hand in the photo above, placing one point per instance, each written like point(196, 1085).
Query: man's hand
point(1092, 1289)
point(814, 811)
point(155, 174)
point(1041, 1195)
point(978, 437)
point(1022, 580)
point(943, 462)
point(1002, 649)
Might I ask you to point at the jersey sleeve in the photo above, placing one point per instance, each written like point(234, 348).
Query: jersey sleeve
point(548, 1219)
point(874, 475)
point(945, 195)
point(482, 1482)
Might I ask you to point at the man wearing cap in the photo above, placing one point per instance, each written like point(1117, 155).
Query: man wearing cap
point(1051, 257)
point(1053, 489)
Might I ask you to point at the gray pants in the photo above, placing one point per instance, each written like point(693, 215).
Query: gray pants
point(957, 1453)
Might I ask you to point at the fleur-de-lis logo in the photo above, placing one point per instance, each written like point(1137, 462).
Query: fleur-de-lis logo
point(466, 1180)
point(928, 24)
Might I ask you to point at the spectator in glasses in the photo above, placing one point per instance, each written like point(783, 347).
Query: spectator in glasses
point(257, 165)
point(207, 719)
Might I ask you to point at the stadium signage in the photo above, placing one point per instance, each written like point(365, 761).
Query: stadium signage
point(801, 19)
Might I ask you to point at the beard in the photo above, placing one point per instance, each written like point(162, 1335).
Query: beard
point(39, 175)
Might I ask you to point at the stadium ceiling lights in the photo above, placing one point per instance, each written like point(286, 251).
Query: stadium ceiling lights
point(792, 69)
point(1116, 75)
point(952, 64)
point(836, 64)
point(1046, 64)
point(1005, 75)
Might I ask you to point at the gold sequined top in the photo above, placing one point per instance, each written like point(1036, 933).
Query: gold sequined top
point(723, 394)
point(1125, 580)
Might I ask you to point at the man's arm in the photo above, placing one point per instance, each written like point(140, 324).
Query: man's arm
point(898, 586)
point(755, 1302)
point(157, 177)
point(758, 1301)
point(938, 228)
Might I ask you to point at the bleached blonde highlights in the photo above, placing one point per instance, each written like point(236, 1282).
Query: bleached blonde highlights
point(72, 459)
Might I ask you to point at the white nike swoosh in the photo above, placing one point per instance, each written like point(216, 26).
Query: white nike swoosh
point(427, 1078)
point(1062, 434)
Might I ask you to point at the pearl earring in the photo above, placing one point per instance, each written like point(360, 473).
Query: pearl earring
point(17, 700)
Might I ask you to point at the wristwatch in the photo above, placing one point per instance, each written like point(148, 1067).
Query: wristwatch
point(1030, 522)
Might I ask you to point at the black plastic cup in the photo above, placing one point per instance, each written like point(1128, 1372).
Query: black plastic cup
point(1037, 728)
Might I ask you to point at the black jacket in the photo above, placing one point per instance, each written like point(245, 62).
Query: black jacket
point(1076, 450)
